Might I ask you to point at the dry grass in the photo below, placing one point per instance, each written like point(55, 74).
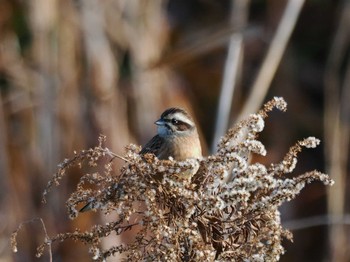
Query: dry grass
point(188, 211)
point(71, 70)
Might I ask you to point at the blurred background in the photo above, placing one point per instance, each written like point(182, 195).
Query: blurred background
point(73, 69)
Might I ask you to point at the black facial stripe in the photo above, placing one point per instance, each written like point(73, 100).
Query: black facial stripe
point(174, 110)
point(182, 126)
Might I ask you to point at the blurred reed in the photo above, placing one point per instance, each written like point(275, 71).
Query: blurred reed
point(70, 70)
point(337, 132)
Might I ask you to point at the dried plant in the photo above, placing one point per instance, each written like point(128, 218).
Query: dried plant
point(219, 208)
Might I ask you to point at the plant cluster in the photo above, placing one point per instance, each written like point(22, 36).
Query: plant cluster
point(218, 208)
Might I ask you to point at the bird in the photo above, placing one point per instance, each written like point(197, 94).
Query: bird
point(177, 137)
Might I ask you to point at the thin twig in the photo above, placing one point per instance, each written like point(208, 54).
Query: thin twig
point(47, 238)
point(322, 220)
point(114, 155)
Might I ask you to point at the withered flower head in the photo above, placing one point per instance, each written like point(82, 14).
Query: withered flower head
point(227, 211)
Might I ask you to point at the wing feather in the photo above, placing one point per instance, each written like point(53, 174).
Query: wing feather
point(152, 146)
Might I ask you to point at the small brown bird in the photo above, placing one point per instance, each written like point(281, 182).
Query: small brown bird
point(177, 137)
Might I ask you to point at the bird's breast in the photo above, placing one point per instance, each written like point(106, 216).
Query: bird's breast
point(181, 148)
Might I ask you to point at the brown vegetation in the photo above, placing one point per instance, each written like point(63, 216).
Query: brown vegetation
point(225, 210)
point(71, 70)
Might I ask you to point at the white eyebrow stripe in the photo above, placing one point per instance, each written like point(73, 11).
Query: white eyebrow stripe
point(181, 117)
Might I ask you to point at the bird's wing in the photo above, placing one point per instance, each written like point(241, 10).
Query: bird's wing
point(152, 146)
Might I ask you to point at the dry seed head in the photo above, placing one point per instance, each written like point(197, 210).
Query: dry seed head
point(228, 211)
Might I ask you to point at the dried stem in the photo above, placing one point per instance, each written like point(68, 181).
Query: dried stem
point(232, 67)
point(273, 58)
point(187, 211)
point(337, 131)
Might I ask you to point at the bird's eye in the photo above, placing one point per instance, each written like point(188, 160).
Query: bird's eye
point(174, 121)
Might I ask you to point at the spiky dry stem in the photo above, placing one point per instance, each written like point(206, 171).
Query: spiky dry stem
point(189, 211)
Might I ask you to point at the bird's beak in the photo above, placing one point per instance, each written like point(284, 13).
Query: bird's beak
point(160, 122)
